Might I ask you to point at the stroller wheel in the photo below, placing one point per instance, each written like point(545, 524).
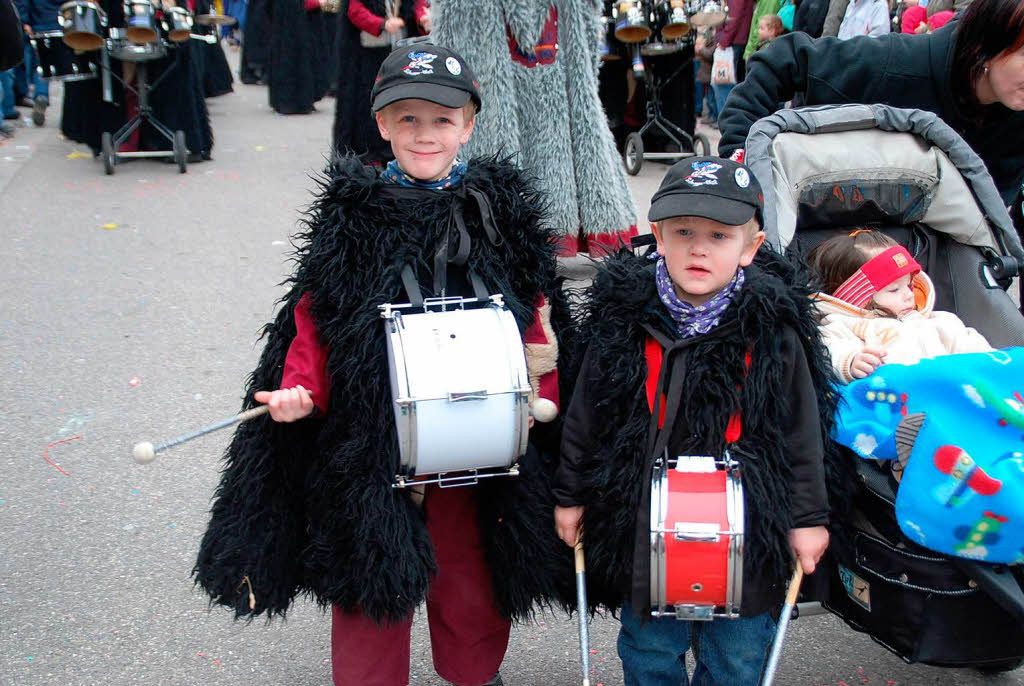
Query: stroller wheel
point(633, 153)
point(701, 145)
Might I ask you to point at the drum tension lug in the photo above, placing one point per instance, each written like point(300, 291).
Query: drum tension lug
point(695, 613)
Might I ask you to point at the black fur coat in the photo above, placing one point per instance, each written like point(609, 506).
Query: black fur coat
point(606, 463)
point(309, 506)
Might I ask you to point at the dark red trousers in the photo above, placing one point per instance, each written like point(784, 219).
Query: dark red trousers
point(468, 635)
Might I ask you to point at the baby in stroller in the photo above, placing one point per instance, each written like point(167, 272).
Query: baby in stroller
point(876, 306)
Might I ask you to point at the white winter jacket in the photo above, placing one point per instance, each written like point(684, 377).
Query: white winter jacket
point(915, 336)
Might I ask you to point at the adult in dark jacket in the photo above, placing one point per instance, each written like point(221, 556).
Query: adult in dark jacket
point(37, 16)
point(256, 44)
point(810, 17)
point(10, 36)
point(970, 73)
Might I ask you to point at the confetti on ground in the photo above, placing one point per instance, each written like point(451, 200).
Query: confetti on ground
point(110, 226)
point(259, 148)
point(78, 155)
point(134, 381)
point(198, 396)
point(46, 452)
point(278, 243)
point(2, 501)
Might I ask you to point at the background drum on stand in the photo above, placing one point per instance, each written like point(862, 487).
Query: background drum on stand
point(59, 62)
point(711, 14)
point(83, 23)
point(632, 21)
point(140, 21)
point(675, 22)
point(177, 24)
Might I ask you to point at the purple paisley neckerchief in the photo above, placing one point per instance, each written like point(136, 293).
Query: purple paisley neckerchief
point(692, 320)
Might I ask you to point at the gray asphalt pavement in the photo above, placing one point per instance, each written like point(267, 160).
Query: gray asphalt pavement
point(129, 310)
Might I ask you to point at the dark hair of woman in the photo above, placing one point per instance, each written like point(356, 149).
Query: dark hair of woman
point(835, 260)
point(987, 29)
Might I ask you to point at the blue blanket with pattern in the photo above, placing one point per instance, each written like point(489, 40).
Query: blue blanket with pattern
point(953, 427)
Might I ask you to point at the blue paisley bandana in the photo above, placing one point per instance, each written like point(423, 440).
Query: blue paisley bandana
point(394, 174)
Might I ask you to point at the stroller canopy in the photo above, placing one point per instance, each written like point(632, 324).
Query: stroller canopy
point(863, 163)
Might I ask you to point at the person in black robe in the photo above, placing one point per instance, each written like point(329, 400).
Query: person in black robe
point(255, 44)
point(355, 129)
point(298, 73)
point(216, 73)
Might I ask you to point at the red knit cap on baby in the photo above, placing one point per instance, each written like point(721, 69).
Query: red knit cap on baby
point(875, 274)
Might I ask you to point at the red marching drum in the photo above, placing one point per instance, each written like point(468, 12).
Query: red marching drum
point(696, 538)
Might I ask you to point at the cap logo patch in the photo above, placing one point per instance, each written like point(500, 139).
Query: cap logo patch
point(420, 64)
point(704, 174)
point(742, 178)
point(453, 66)
point(900, 260)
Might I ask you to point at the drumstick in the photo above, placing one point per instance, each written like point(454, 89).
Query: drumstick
point(581, 609)
point(145, 452)
point(780, 633)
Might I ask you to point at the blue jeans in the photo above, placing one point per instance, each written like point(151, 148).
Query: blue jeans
point(42, 86)
point(728, 652)
point(721, 93)
point(7, 93)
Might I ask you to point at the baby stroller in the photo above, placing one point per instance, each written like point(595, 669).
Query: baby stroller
point(906, 173)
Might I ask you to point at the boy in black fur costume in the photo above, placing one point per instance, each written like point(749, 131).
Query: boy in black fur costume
point(726, 347)
point(306, 503)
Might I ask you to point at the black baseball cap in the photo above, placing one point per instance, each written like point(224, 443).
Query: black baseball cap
point(709, 187)
point(424, 71)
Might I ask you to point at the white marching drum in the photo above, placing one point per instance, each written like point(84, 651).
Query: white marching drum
point(460, 389)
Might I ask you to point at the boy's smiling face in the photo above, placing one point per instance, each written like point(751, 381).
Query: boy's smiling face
point(703, 255)
point(425, 136)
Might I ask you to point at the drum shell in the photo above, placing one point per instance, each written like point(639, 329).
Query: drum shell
point(177, 24)
point(83, 24)
point(705, 573)
point(676, 23)
point(632, 21)
point(58, 61)
point(140, 21)
point(460, 390)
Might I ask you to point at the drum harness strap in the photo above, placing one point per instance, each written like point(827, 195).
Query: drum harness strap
point(662, 353)
point(443, 255)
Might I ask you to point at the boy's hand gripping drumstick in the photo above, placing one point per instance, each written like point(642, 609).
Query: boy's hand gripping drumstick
point(581, 608)
point(780, 633)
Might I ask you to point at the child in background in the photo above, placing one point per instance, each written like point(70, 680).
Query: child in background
point(876, 307)
point(769, 27)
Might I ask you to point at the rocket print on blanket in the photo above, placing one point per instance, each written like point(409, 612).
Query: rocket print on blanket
point(951, 432)
point(966, 477)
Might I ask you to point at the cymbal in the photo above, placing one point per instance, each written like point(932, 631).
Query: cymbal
point(215, 20)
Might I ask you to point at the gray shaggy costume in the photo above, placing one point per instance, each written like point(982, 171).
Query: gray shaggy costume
point(607, 460)
point(537, 63)
point(309, 506)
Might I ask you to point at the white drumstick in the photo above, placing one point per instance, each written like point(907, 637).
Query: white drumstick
point(145, 452)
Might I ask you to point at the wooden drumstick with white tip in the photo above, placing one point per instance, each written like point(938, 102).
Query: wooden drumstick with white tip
point(145, 452)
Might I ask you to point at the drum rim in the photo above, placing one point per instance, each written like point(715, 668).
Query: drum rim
point(83, 3)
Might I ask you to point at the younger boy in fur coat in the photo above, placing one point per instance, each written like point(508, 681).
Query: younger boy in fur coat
point(721, 332)
point(306, 503)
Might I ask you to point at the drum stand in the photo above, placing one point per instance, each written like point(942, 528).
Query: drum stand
point(111, 142)
point(633, 153)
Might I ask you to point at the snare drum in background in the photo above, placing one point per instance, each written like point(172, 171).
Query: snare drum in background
point(140, 21)
point(697, 539)
point(607, 38)
point(59, 62)
point(675, 21)
point(177, 24)
point(632, 23)
point(711, 14)
point(83, 23)
point(460, 390)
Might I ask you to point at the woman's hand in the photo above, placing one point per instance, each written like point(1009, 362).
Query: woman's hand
point(286, 404)
point(394, 25)
point(567, 523)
